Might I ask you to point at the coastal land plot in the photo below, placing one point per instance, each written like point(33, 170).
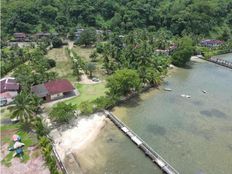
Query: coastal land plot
point(88, 92)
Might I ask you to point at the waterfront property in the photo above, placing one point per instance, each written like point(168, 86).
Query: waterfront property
point(53, 90)
point(211, 43)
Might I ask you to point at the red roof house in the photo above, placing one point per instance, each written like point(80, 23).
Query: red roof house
point(8, 84)
point(8, 90)
point(53, 89)
point(211, 42)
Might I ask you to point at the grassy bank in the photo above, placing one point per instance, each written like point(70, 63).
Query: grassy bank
point(210, 52)
point(88, 92)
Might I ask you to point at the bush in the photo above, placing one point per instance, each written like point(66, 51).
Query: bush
point(57, 42)
point(51, 63)
point(93, 56)
point(100, 48)
point(86, 107)
point(48, 154)
point(104, 102)
point(40, 129)
point(62, 112)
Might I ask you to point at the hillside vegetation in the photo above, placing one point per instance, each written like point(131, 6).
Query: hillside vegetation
point(197, 17)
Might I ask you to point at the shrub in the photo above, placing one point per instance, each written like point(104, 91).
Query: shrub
point(51, 63)
point(104, 102)
point(62, 112)
point(40, 129)
point(100, 48)
point(57, 42)
point(93, 56)
point(86, 107)
point(48, 154)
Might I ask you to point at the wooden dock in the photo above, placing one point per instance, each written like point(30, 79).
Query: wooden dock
point(148, 151)
point(221, 62)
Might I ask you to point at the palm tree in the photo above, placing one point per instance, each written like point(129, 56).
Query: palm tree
point(24, 107)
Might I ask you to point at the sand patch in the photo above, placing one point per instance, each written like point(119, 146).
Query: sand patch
point(85, 80)
point(76, 138)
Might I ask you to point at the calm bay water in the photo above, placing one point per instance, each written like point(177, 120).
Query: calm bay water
point(192, 134)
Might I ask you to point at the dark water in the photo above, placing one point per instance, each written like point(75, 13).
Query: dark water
point(193, 134)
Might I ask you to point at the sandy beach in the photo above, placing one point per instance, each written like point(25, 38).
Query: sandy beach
point(196, 59)
point(77, 137)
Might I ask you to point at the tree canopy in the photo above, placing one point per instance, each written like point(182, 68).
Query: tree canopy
point(183, 52)
point(62, 112)
point(178, 16)
point(122, 82)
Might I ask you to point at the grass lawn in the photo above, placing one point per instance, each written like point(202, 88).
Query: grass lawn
point(63, 63)
point(5, 113)
point(88, 92)
point(84, 53)
point(7, 131)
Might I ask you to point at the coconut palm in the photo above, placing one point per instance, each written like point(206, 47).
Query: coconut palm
point(24, 107)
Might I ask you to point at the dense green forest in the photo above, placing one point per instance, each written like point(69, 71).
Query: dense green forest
point(207, 18)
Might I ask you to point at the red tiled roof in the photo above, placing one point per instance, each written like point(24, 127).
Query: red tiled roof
point(212, 41)
point(58, 86)
point(8, 84)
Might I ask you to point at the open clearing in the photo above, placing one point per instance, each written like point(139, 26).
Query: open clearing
point(88, 92)
point(63, 63)
point(83, 52)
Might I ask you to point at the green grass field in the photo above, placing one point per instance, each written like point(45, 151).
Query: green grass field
point(63, 63)
point(88, 92)
point(84, 53)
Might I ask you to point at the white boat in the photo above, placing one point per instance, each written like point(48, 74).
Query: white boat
point(167, 89)
point(204, 91)
point(185, 96)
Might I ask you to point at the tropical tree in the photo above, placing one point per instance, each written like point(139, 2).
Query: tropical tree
point(123, 82)
point(56, 42)
point(88, 37)
point(25, 107)
point(62, 112)
point(183, 52)
point(90, 67)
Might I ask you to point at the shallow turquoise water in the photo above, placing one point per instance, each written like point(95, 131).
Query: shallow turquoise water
point(193, 134)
